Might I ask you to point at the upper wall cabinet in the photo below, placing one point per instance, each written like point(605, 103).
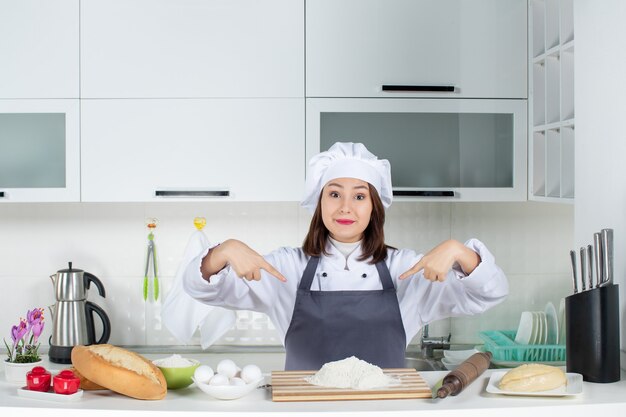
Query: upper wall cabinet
point(39, 150)
point(439, 150)
point(211, 149)
point(416, 48)
point(192, 48)
point(39, 48)
point(551, 100)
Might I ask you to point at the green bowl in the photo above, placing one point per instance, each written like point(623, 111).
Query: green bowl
point(177, 378)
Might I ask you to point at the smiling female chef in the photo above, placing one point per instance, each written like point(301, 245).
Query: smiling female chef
point(345, 292)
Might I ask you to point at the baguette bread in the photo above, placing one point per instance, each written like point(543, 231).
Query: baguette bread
point(120, 370)
point(533, 378)
point(86, 384)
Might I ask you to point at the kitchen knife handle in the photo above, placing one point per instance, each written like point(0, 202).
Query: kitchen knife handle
point(192, 193)
point(590, 266)
point(607, 243)
point(416, 193)
point(572, 255)
point(598, 255)
point(419, 88)
point(583, 267)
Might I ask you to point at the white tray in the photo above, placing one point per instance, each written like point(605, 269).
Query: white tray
point(574, 386)
point(49, 395)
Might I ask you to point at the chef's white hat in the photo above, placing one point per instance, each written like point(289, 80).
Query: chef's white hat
point(347, 160)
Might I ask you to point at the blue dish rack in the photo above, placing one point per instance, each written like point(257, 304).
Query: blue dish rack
point(502, 345)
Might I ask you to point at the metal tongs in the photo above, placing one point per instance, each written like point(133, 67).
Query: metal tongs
point(151, 224)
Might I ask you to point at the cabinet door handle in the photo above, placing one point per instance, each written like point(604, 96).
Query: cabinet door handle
point(192, 193)
point(1, 194)
point(415, 193)
point(423, 88)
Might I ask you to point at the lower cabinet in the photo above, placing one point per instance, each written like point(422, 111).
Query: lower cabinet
point(208, 149)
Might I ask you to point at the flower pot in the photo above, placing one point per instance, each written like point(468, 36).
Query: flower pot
point(16, 372)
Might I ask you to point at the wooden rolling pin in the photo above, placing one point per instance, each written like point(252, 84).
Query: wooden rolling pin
point(464, 374)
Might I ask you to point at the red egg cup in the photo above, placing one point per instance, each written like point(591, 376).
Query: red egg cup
point(38, 379)
point(66, 382)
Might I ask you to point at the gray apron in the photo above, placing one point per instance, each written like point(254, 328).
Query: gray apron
point(332, 325)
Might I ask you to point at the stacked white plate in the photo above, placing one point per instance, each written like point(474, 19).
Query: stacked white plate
point(538, 327)
point(561, 318)
point(453, 358)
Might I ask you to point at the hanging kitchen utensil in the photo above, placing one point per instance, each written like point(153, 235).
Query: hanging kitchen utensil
point(151, 255)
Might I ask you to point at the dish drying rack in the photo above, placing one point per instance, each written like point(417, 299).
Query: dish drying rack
point(502, 345)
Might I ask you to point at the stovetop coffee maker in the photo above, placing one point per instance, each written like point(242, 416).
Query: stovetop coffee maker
point(72, 315)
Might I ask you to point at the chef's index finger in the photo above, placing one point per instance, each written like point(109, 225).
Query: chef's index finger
point(414, 270)
point(273, 271)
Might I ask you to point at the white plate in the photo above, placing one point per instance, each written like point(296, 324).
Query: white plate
point(450, 364)
point(525, 328)
point(553, 324)
point(49, 395)
point(542, 324)
point(561, 340)
point(574, 386)
point(536, 333)
point(458, 355)
point(228, 392)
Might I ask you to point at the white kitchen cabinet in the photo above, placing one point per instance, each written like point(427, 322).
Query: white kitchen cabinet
point(207, 149)
point(39, 49)
point(192, 48)
point(439, 150)
point(551, 101)
point(39, 150)
point(476, 47)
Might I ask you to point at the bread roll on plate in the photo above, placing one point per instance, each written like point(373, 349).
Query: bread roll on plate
point(120, 370)
point(533, 378)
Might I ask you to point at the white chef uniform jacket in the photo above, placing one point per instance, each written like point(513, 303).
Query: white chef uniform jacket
point(421, 301)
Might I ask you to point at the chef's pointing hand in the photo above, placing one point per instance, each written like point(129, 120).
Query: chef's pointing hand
point(437, 263)
point(245, 261)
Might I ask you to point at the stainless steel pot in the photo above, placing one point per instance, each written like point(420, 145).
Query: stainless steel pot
point(72, 284)
point(72, 315)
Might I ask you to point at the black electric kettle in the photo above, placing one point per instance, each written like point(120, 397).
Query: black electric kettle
point(72, 315)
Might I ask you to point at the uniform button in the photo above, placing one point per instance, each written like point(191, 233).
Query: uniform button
point(364, 276)
point(324, 274)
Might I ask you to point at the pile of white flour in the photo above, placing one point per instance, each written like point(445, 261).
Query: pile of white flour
point(351, 373)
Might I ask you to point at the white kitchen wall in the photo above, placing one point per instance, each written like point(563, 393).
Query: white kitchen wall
point(529, 240)
point(600, 144)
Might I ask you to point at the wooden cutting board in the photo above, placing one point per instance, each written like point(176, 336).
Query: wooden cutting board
point(292, 386)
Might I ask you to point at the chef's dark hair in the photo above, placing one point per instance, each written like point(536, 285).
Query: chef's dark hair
point(373, 237)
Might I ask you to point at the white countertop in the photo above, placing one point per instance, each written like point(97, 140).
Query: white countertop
point(473, 401)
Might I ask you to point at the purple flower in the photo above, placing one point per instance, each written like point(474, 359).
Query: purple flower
point(37, 329)
point(18, 332)
point(35, 322)
point(24, 343)
point(33, 316)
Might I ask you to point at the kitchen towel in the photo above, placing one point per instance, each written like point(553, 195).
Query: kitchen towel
point(182, 314)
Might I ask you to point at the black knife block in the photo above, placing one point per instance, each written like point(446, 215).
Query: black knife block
point(592, 334)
